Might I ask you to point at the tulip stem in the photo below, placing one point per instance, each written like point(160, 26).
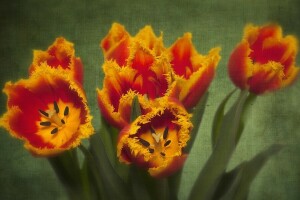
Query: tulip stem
point(208, 179)
point(67, 170)
point(162, 189)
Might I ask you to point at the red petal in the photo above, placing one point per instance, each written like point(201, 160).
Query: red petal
point(142, 61)
point(116, 44)
point(181, 52)
point(63, 60)
point(27, 100)
point(78, 70)
point(197, 90)
point(110, 116)
point(238, 65)
point(256, 38)
point(261, 82)
point(25, 127)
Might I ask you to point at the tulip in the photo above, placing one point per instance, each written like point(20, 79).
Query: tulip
point(192, 71)
point(60, 54)
point(156, 139)
point(48, 111)
point(264, 60)
point(133, 66)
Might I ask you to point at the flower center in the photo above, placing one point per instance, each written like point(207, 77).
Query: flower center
point(160, 144)
point(54, 118)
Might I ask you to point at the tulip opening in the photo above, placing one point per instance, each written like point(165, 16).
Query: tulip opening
point(54, 118)
point(159, 143)
point(155, 140)
point(56, 123)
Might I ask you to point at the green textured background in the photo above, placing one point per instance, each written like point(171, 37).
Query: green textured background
point(34, 24)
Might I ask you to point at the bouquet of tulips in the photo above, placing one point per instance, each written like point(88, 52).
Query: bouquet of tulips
point(152, 101)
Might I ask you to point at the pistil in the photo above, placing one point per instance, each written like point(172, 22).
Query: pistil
point(160, 144)
point(54, 119)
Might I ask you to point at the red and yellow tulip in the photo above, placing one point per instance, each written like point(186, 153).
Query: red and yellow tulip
point(60, 54)
point(155, 140)
point(264, 60)
point(48, 112)
point(192, 71)
point(133, 65)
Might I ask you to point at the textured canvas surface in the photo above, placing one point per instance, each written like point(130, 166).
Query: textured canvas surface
point(34, 24)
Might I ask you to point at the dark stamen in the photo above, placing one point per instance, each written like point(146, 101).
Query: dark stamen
point(144, 142)
point(166, 131)
point(162, 153)
point(44, 113)
point(45, 123)
point(55, 130)
point(56, 107)
point(167, 143)
point(66, 111)
point(151, 150)
point(152, 130)
point(63, 121)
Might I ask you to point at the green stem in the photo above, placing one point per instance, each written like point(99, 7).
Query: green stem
point(67, 170)
point(162, 189)
point(174, 183)
point(208, 179)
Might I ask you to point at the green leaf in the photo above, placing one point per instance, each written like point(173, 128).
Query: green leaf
point(245, 173)
point(135, 109)
point(197, 113)
point(208, 179)
point(228, 180)
point(113, 185)
point(218, 118)
point(219, 115)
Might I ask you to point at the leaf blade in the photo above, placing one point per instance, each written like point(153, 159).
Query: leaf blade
point(247, 171)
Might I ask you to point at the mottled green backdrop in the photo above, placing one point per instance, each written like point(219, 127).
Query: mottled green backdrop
point(34, 24)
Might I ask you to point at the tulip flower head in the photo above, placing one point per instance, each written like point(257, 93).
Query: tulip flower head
point(155, 140)
point(133, 66)
point(60, 54)
point(48, 112)
point(192, 71)
point(264, 60)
